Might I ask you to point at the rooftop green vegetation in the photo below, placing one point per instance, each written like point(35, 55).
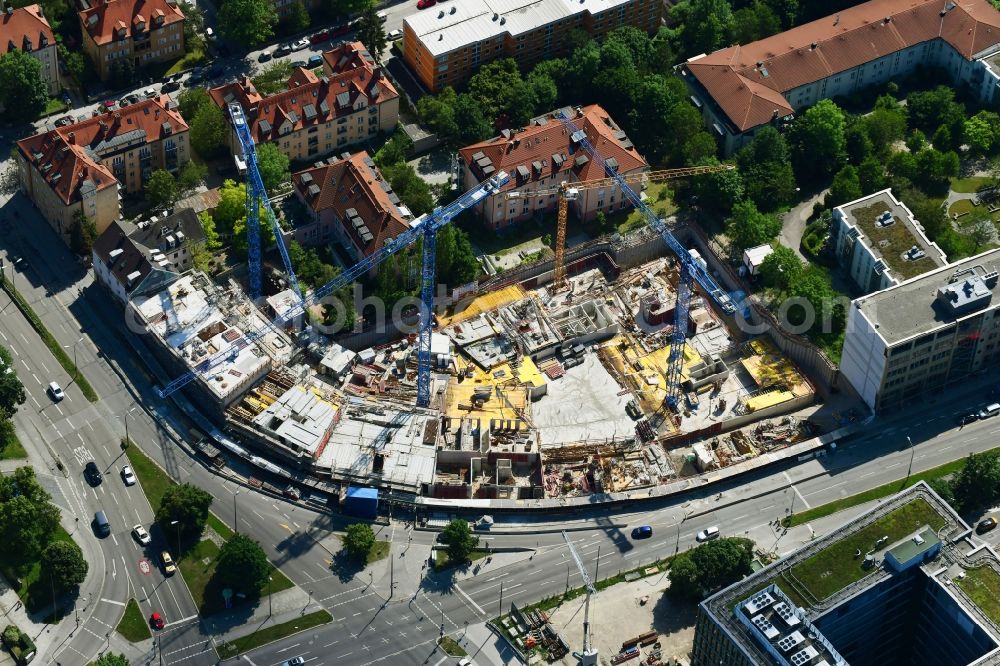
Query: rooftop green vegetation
point(899, 238)
point(983, 587)
point(836, 566)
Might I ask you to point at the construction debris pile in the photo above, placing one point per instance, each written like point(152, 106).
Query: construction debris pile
point(580, 469)
point(741, 445)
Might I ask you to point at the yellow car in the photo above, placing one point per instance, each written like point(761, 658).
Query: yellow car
point(168, 563)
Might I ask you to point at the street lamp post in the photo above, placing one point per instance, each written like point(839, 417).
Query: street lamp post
point(76, 366)
point(236, 525)
point(177, 523)
point(269, 607)
point(909, 470)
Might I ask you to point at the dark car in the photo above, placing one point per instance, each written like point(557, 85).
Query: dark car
point(65, 120)
point(642, 532)
point(170, 86)
point(315, 61)
point(283, 50)
point(299, 63)
point(92, 474)
point(968, 418)
point(320, 37)
point(986, 525)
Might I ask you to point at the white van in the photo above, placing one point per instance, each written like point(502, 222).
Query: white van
point(989, 410)
point(708, 534)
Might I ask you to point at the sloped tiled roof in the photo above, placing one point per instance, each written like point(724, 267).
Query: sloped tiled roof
point(545, 147)
point(354, 188)
point(130, 260)
point(748, 81)
point(354, 75)
point(105, 18)
point(24, 29)
point(69, 157)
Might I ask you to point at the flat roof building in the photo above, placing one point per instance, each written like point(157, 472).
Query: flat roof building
point(880, 244)
point(894, 586)
point(445, 45)
point(744, 87)
point(925, 333)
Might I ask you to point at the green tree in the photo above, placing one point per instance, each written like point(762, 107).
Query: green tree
point(982, 132)
point(371, 30)
point(684, 578)
point(871, 175)
point(471, 121)
point(82, 233)
point(122, 72)
point(110, 659)
point(977, 484)
point(63, 561)
point(12, 393)
point(780, 268)
point(706, 25)
point(194, 26)
point(208, 129)
point(930, 109)
point(766, 170)
point(494, 85)
point(23, 91)
point(459, 539)
point(754, 22)
point(456, 260)
point(818, 145)
point(191, 101)
point(192, 175)
point(231, 207)
point(211, 235)
point(273, 165)
point(298, 17)
point(28, 519)
point(719, 191)
point(981, 232)
point(410, 188)
point(885, 125)
point(935, 169)
point(395, 149)
point(438, 113)
point(247, 21)
point(161, 189)
point(708, 567)
point(188, 505)
point(813, 284)
point(748, 227)
point(846, 186)
point(242, 565)
point(359, 539)
point(240, 242)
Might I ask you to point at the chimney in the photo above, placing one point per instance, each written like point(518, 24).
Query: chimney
point(10, 10)
point(72, 137)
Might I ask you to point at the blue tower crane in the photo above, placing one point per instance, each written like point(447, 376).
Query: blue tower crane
point(425, 227)
point(256, 199)
point(690, 270)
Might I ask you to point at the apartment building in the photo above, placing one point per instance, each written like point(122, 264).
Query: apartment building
point(84, 166)
point(144, 31)
point(921, 335)
point(352, 102)
point(446, 44)
point(902, 583)
point(879, 243)
point(543, 155)
point(743, 88)
point(26, 29)
point(349, 202)
point(133, 260)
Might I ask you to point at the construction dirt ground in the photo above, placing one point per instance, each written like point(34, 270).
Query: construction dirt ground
point(617, 614)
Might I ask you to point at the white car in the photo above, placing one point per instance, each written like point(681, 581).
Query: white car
point(393, 35)
point(708, 534)
point(56, 391)
point(466, 662)
point(294, 661)
point(300, 44)
point(141, 535)
point(128, 476)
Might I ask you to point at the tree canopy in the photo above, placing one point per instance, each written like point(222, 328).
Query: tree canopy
point(359, 539)
point(12, 393)
point(28, 518)
point(208, 129)
point(371, 30)
point(23, 91)
point(161, 189)
point(232, 205)
point(63, 561)
point(188, 505)
point(242, 564)
point(273, 165)
point(748, 227)
point(459, 539)
point(111, 659)
point(818, 141)
point(247, 21)
point(712, 565)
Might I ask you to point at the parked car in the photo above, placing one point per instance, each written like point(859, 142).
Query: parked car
point(315, 61)
point(108, 104)
point(986, 525)
point(642, 532)
point(140, 534)
point(393, 35)
point(148, 93)
point(156, 621)
point(92, 474)
point(170, 86)
point(320, 37)
point(54, 389)
point(989, 411)
point(424, 4)
point(169, 568)
point(264, 56)
point(282, 50)
point(341, 29)
point(128, 99)
point(966, 419)
point(300, 44)
point(708, 534)
point(128, 476)
point(382, 16)
point(299, 63)
point(65, 120)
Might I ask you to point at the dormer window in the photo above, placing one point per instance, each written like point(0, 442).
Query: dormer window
point(27, 44)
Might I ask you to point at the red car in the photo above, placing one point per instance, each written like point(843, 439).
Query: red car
point(320, 37)
point(339, 30)
point(424, 4)
point(156, 620)
point(109, 104)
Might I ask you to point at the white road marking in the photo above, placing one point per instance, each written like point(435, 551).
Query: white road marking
point(116, 603)
point(469, 599)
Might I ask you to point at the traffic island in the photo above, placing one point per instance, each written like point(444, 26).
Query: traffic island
point(133, 626)
point(269, 634)
point(451, 647)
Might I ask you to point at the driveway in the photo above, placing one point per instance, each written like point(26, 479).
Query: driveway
point(794, 222)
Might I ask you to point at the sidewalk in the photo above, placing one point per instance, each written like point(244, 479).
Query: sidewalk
point(283, 606)
point(485, 648)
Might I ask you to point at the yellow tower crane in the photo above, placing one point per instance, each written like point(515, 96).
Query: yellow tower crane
point(568, 191)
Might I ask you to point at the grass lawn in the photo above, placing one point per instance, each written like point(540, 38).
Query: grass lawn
point(969, 212)
point(970, 184)
point(273, 633)
point(983, 587)
point(54, 105)
point(379, 551)
point(198, 568)
point(442, 561)
point(835, 567)
point(133, 625)
point(658, 198)
point(10, 445)
point(153, 479)
point(191, 59)
point(878, 492)
point(34, 589)
point(490, 242)
point(451, 647)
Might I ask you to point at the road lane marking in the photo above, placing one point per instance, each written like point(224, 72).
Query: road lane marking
point(116, 603)
point(469, 599)
point(286, 649)
point(36, 378)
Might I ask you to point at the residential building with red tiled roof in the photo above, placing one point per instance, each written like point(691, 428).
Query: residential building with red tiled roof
point(544, 155)
point(352, 102)
point(81, 167)
point(742, 88)
point(349, 201)
point(445, 45)
point(26, 29)
point(144, 31)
